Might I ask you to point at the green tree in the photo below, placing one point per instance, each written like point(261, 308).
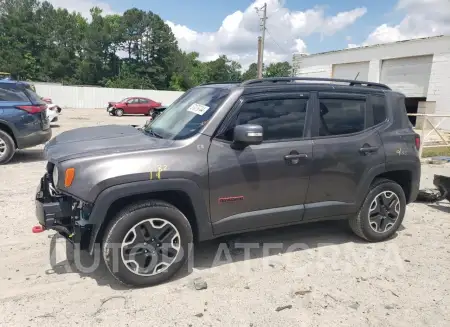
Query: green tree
point(251, 72)
point(279, 69)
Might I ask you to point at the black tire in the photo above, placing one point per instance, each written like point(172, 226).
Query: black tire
point(360, 224)
point(8, 147)
point(118, 112)
point(125, 220)
point(58, 109)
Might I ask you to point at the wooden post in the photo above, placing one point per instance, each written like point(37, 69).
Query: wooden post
point(422, 136)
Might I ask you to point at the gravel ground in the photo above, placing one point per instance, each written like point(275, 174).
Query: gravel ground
point(322, 276)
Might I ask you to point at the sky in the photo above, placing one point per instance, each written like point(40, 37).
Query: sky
point(231, 27)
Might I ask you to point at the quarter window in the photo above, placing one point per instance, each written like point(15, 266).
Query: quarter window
point(281, 119)
point(12, 93)
point(379, 109)
point(341, 116)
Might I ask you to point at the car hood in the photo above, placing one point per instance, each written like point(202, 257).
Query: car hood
point(100, 140)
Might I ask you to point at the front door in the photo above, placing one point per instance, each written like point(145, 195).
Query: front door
point(133, 106)
point(346, 147)
point(261, 185)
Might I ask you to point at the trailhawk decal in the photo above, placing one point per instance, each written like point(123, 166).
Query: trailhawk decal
point(231, 199)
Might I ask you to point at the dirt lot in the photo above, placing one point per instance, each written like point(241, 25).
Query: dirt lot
point(330, 279)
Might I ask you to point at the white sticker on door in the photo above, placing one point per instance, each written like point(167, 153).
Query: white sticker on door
point(198, 109)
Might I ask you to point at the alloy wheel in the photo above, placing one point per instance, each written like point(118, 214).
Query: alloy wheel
point(3, 147)
point(384, 211)
point(150, 247)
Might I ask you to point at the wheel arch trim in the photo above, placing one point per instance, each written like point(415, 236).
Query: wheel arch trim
point(108, 196)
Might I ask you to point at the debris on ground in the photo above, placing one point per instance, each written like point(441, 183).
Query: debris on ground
point(283, 308)
point(200, 284)
point(429, 195)
point(199, 315)
point(354, 305)
point(302, 292)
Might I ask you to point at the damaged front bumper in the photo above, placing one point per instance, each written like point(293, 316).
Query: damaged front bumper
point(60, 212)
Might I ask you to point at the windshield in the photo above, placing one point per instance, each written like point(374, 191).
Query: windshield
point(189, 113)
point(124, 100)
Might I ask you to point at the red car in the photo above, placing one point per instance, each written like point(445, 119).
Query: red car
point(133, 106)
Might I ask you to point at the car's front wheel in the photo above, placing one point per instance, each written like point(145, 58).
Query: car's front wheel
point(118, 112)
point(7, 147)
point(381, 213)
point(147, 243)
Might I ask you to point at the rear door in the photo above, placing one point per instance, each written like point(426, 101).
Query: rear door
point(144, 106)
point(346, 146)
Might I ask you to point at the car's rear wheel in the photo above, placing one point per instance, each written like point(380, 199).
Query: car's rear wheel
point(147, 243)
point(7, 147)
point(381, 213)
point(118, 112)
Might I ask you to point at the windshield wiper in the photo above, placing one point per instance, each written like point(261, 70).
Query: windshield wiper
point(152, 133)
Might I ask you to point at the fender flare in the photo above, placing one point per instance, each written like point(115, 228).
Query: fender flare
point(11, 127)
point(108, 196)
point(364, 185)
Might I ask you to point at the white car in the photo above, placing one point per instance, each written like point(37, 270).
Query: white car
point(53, 110)
point(52, 115)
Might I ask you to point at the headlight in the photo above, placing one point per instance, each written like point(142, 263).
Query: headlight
point(55, 176)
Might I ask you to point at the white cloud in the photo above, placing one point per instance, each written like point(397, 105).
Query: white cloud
point(83, 6)
point(237, 36)
point(422, 18)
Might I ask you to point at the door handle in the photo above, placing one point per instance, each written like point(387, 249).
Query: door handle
point(369, 149)
point(295, 156)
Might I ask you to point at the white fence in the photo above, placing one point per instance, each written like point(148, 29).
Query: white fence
point(98, 97)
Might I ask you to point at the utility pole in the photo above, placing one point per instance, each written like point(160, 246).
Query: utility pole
point(259, 65)
point(262, 37)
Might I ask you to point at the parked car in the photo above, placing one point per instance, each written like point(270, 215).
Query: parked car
point(232, 158)
point(157, 111)
point(51, 105)
point(23, 119)
point(132, 105)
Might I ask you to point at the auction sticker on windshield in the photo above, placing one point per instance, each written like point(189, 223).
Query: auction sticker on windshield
point(198, 109)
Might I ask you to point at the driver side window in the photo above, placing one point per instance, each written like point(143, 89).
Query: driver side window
point(281, 119)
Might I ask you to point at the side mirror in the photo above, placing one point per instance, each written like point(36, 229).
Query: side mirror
point(248, 134)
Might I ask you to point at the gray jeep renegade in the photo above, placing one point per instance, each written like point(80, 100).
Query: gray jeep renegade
point(231, 158)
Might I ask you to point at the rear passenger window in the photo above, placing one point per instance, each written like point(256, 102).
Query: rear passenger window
point(281, 119)
point(341, 116)
point(379, 109)
point(11, 93)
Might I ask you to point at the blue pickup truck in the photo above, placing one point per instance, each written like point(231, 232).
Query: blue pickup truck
point(23, 119)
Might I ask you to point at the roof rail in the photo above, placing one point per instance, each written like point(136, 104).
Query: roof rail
point(229, 82)
point(318, 79)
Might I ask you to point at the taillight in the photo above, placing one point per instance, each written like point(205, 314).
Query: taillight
point(33, 109)
point(417, 142)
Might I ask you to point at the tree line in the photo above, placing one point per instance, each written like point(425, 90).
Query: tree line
point(134, 50)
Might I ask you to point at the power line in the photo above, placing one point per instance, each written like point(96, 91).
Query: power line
point(281, 48)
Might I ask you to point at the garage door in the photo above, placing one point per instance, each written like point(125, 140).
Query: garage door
point(407, 75)
point(358, 70)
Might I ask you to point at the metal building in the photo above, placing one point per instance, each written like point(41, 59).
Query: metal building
point(419, 68)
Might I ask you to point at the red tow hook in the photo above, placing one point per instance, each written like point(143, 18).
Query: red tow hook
point(38, 229)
